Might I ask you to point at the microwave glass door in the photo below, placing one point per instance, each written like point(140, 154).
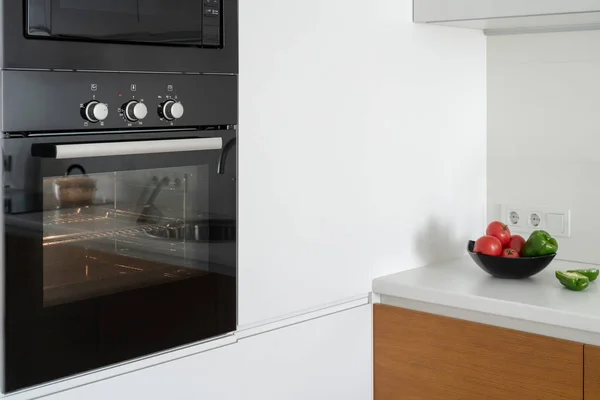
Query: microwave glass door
point(171, 22)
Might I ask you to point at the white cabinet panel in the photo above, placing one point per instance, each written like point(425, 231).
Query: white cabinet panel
point(453, 10)
point(327, 358)
point(507, 16)
point(302, 182)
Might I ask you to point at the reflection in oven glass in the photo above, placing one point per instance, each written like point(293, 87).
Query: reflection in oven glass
point(106, 233)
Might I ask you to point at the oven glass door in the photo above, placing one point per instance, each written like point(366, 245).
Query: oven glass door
point(116, 251)
point(177, 22)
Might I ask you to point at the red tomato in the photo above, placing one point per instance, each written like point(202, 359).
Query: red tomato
point(516, 243)
point(500, 231)
point(510, 253)
point(488, 245)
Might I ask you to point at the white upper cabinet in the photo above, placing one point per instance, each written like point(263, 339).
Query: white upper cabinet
point(509, 16)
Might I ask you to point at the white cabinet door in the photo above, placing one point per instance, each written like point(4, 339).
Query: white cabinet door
point(323, 359)
point(455, 10)
point(302, 183)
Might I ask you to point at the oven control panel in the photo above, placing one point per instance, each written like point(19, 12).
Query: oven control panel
point(134, 110)
point(98, 101)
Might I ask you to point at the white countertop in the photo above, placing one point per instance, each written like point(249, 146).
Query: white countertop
point(460, 289)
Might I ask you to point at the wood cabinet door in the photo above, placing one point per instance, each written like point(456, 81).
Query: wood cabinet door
point(591, 373)
point(421, 356)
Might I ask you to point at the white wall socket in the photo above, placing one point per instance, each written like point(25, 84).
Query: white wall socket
point(513, 217)
point(534, 220)
point(526, 219)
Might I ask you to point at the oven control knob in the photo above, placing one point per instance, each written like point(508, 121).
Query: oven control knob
point(135, 111)
point(94, 111)
point(171, 110)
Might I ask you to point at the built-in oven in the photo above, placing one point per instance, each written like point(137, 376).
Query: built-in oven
point(120, 236)
point(121, 35)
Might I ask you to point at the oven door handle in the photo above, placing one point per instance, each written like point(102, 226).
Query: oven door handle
point(107, 149)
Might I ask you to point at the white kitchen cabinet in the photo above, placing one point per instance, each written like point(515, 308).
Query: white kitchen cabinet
point(506, 16)
point(325, 358)
point(301, 182)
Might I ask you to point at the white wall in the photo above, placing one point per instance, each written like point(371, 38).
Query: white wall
point(327, 358)
point(543, 130)
point(425, 152)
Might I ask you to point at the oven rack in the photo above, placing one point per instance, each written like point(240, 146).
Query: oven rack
point(110, 234)
point(79, 226)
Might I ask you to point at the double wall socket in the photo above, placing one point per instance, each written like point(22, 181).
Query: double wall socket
point(526, 219)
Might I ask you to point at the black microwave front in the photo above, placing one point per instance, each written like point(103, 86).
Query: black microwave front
point(197, 36)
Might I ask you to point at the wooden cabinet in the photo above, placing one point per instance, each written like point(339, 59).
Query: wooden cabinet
point(429, 357)
point(591, 378)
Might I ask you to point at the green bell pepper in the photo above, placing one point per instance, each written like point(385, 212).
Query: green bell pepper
point(591, 273)
point(540, 243)
point(573, 280)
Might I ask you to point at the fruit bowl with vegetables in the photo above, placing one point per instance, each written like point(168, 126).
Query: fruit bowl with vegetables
point(507, 256)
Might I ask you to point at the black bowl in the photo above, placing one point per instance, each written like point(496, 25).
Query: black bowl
point(509, 268)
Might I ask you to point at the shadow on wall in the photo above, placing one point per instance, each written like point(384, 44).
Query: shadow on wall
point(437, 241)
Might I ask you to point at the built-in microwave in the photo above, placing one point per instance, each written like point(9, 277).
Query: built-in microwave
point(121, 35)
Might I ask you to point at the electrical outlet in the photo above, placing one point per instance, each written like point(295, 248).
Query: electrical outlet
point(526, 219)
point(535, 220)
point(514, 218)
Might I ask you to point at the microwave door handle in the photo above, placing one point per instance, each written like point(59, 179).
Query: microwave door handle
point(107, 149)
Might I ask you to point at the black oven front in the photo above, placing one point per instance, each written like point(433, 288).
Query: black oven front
point(119, 239)
point(121, 35)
